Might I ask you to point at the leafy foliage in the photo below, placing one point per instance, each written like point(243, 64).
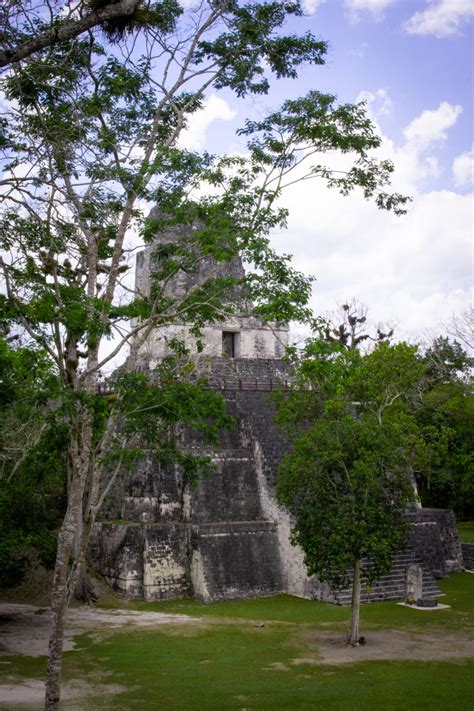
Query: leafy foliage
point(155, 408)
point(33, 445)
point(32, 507)
point(446, 415)
point(346, 480)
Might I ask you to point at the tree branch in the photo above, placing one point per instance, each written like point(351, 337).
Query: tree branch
point(67, 30)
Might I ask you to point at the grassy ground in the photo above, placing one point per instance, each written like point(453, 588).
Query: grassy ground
point(234, 665)
point(458, 587)
point(466, 531)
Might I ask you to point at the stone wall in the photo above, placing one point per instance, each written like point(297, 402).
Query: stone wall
point(148, 562)
point(230, 493)
point(116, 552)
point(254, 340)
point(434, 536)
point(166, 561)
point(237, 559)
point(468, 555)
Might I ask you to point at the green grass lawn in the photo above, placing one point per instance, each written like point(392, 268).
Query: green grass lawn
point(466, 531)
point(458, 587)
point(231, 669)
point(230, 664)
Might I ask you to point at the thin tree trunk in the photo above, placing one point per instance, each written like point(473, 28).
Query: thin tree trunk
point(65, 570)
point(60, 599)
point(355, 605)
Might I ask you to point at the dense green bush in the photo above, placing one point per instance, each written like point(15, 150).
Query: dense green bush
point(33, 465)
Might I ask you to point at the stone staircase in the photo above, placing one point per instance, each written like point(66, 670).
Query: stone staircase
point(393, 585)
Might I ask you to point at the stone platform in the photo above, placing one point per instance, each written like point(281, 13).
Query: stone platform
point(227, 538)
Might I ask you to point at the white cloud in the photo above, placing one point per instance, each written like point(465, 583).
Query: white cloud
point(412, 270)
point(463, 169)
point(432, 168)
point(378, 103)
point(214, 109)
point(426, 132)
point(310, 6)
point(375, 7)
point(442, 19)
point(430, 127)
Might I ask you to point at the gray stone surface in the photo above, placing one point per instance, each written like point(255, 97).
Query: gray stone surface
point(238, 559)
point(414, 581)
point(468, 555)
point(427, 602)
point(434, 536)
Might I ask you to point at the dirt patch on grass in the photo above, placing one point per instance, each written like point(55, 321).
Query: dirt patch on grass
point(24, 629)
point(331, 647)
point(29, 694)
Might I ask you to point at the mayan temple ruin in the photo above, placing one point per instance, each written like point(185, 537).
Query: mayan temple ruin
point(156, 538)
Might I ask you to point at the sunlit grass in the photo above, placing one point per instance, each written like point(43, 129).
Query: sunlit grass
point(466, 531)
point(458, 587)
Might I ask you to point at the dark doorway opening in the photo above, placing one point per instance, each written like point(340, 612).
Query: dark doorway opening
point(229, 344)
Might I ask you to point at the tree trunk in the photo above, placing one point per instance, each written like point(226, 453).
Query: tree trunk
point(59, 602)
point(67, 560)
point(355, 606)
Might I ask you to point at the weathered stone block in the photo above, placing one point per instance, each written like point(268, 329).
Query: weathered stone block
point(237, 560)
point(116, 551)
point(468, 555)
point(166, 572)
point(414, 581)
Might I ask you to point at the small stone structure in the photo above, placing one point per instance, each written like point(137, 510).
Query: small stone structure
point(414, 582)
point(227, 538)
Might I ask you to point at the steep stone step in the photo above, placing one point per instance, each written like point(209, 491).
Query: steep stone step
point(393, 585)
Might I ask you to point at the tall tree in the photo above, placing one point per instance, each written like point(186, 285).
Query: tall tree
point(355, 439)
point(446, 416)
point(88, 141)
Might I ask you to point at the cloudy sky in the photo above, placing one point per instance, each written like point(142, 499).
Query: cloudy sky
point(411, 61)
